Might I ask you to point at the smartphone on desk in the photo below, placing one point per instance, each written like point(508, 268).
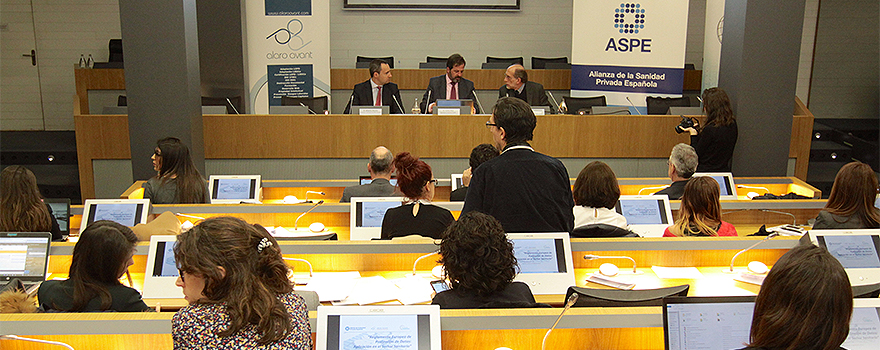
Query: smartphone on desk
point(439, 286)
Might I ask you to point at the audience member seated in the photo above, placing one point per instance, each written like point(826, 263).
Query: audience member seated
point(479, 155)
point(682, 165)
point(418, 216)
point(380, 170)
point(480, 266)
point(235, 280)
point(21, 205)
point(102, 255)
point(805, 303)
point(595, 194)
point(517, 84)
point(700, 212)
point(851, 203)
point(177, 181)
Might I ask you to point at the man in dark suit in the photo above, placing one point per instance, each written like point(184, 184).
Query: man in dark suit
point(450, 86)
point(368, 92)
point(682, 164)
point(380, 171)
point(517, 84)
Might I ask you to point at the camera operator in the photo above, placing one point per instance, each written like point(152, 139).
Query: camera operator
point(715, 141)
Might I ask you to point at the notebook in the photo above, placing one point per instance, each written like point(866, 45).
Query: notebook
point(25, 256)
point(234, 189)
point(161, 273)
point(128, 212)
point(367, 214)
point(725, 181)
point(649, 215)
point(545, 261)
point(707, 322)
point(378, 326)
point(61, 211)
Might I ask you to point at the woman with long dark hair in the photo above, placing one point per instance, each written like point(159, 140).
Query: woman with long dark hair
point(417, 216)
point(700, 212)
point(595, 194)
point(239, 295)
point(851, 203)
point(177, 180)
point(714, 141)
point(102, 255)
point(21, 206)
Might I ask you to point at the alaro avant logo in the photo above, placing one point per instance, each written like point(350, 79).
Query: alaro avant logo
point(289, 36)
point(629, 19)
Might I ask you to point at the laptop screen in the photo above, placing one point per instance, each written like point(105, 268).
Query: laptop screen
point(864, 327)
point(128, 214)
point(23, 255)
point(540, 255)
point(371, 214)
point(234, 189)
point(725, 182)
point(707, 322)
point(643, 211)
point(61, 211)
point(853, 251)
point(164, 264)
point(366, 180)
point(378, 327)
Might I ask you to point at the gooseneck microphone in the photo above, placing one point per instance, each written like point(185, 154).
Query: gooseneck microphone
point(311, 272)
point(568, 304)
point(398, 103)
point(15, 337)
point(428, 101)
point(594, 257)
point(315, 192)
point(634, 106)
point(232, 105)
point(295, 223)
point(422, 257)
point(558, 111)
point(307, 107)
point(651, 188)
point(350, 102)
point(774, 234)
point(478, 102)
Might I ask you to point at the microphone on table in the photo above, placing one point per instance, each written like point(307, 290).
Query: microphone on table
point(754, 187)
point(428, 102)
point(594, 257)
point(422, 257)
point(478, 102)
point(295, 223)
point(350, 103)
point(15, 337)
point(558, 111)
point(568, 304)
point(652, 188)
point(397, 102)
point(311, 272)
point(771, 235)
point(307, 107)
point(634, 106)
point(232, 105)
point(315, 192)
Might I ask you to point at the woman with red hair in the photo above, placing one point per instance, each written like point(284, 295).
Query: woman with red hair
point(417, 216)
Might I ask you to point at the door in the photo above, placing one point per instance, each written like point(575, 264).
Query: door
point(20, 96)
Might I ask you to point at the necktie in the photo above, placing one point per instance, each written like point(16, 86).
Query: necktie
point(379, 97)
point(452, 94)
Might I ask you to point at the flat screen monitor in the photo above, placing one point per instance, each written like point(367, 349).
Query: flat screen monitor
point(366, 180)
point(61, 212)
point(367, 214)
point(24, 255)
point(128, 212)
point(864, 326)
point(234, 189)
point(725, 181)
point(545, 261)
point(161, 272)
point(649, 215)
point(415, 327)
point(707, 322)
point(456, 181)
point(857, 250)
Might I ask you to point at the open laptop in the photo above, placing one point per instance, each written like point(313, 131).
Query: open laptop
point(366, 180)
point(707, 322)
point(864, 326)
point(25, 256)
point(234, 189)
point(367, 214)
point(61, 212)
point(456, 182)
point(128, 212)
point(378, 326)
point(544, 260)
point(648, 215)
point(857, 250)
point(161, 273)
point(725, 181)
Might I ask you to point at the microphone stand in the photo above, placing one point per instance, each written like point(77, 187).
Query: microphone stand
point(295, 223)
point(307, 107)
point(558, 111)
point(311, 272)
point(398, 103)
point(634, 106)
point(315, 192)
point(571, 300)
point(422, 257)
point(774, 234)
point(594, 257)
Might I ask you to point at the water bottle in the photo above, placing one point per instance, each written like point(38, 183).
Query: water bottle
point(416, 109)
point(82, 61)
point(91, 62)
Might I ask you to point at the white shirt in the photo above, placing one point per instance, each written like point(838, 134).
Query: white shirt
point(587, 216)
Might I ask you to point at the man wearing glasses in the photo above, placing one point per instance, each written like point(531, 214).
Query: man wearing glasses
point(525, 190)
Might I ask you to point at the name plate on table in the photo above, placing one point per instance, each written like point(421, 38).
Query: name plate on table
point(370, 111)
point(448, 111)
point(538, 111)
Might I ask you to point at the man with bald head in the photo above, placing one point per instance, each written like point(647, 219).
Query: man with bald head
point(517, 84)
point(380, 171)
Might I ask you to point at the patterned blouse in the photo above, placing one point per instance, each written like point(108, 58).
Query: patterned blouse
point(196, 327)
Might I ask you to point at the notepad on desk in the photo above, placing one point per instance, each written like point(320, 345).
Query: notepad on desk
point(332, 286)
point(370, 290)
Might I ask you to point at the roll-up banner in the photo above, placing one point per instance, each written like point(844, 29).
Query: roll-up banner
point(288, 51)
point(628, 49)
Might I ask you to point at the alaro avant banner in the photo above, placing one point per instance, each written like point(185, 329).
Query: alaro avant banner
point(628, 49)
point(288, 51)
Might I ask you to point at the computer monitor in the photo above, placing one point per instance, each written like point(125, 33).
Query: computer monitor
point(366, 180)
point(128, 212)
point(367, 214)
point(649, 215)
point(414, 327)
point(456, 182)
point(545, 261)
point(61, 212)
point(24, 255)
point(234, 189)
point(864, 326)
point(161, 272)
point(725, 181)
point(707, 322)
point(857, 250)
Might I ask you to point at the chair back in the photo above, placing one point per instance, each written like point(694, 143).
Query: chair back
point(364, 62)
point(589, 297)
point(601, 231)
point(436, 59)
point(310, 297)
point(577, 104)
point(550, 63)
point(505, 60)
point(317, 104)
point(660, 105)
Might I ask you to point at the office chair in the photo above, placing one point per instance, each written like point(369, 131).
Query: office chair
point(508, 60)
point(122, 101)
point(589, 297)
point(364, 62)
point(310, 298)
point(866, 291)
point(660, 105)
point(324, 237)
point(582, 105)
point(601, 231)
point(317, 104)
point(689, 66)
point(430, 59)
point(550, 63)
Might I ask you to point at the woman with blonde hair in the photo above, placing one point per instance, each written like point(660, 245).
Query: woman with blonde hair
point(851, 203)
point(700, 212)
point(21, 206)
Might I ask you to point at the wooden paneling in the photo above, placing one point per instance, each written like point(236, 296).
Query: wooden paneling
point(96, 79)
point(99, 137)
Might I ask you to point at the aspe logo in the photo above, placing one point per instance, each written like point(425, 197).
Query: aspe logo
point(629, 19)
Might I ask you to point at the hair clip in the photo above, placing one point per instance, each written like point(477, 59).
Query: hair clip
point(264, 243)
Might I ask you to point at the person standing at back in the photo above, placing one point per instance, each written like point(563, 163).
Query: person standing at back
point(715, 141)
point(525, 190)
point(380, 170)
point(479, 155)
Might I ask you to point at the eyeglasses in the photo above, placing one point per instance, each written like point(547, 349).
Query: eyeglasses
point(488, 124)
point(157, 153)
point(433, 181)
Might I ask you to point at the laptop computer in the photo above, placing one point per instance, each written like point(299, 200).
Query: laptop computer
point(234, 189)
point(456, 182)
point(541, 110)
point(864, 325)
point(725, 181)
point(544, 260)
point(366, 180)
point(61, 212)
point(161, 273)
point(378, 326)
point(367, 214)
point(128, 212)
point(857, 250)
point(707, 322)
point(648, 215)
point(25, 256)
point(370, 110)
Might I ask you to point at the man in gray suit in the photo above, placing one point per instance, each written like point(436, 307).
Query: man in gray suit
point(517, 84)
point(380, 171)
point(450, 86)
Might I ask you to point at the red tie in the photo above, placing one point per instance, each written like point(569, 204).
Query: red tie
point(379, 96)
point(452, 94)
